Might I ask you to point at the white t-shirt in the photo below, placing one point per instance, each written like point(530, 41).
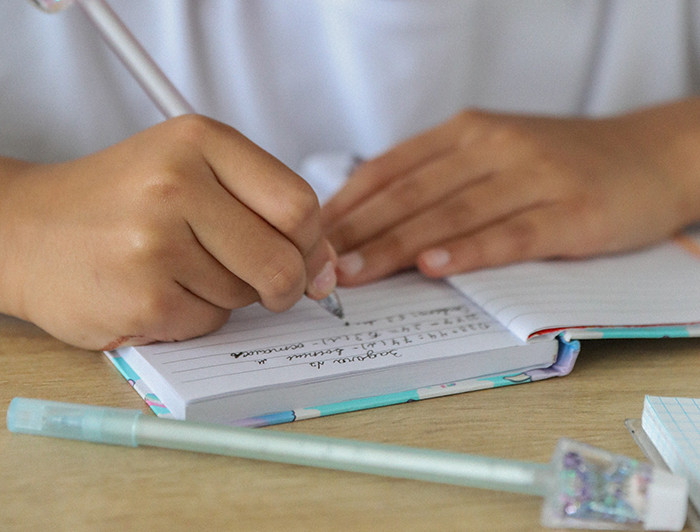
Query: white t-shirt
point(301, 77)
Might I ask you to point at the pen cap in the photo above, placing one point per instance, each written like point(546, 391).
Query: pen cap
point(593, 488)
point(78, 422)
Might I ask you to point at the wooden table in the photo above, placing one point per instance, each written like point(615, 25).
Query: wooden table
point(50, 484)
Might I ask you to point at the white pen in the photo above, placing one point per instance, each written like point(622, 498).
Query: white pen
point(147, 73)
point(582, 486)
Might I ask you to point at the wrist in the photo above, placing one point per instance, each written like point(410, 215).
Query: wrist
point(669, 138)
point(12, 174)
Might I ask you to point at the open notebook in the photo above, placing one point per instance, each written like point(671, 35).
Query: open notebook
point(409, 338)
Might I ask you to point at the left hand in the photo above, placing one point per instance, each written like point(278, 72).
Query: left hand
point(488, 189)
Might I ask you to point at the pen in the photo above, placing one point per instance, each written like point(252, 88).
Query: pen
point(147, 73)
point(583, 487)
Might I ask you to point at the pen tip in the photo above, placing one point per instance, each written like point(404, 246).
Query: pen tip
point(332, 304)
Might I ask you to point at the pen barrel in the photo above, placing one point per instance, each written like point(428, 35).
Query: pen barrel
point(97, 424)
point(347, 455)
point(151, 78)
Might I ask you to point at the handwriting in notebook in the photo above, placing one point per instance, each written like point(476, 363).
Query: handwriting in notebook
point(403, 320)
point(368, 341)
point(382, 337)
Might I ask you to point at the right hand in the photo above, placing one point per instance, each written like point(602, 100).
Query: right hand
point(158, 237)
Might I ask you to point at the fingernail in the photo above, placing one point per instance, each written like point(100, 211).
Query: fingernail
point(351, 264)
point(325, 281)
point(436, 259)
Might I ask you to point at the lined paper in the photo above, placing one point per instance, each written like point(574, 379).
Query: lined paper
point(673, 426)
point(652, 287)
point(404, 320)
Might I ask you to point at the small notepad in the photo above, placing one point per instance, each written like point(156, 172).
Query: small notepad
point(673, 426)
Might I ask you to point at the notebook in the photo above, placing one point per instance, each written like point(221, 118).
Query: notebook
point(673, 426)
point(408, 338)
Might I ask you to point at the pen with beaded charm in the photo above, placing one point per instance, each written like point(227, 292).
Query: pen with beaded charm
point(582, 486)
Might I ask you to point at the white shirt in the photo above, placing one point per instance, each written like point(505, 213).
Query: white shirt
point(306, 76)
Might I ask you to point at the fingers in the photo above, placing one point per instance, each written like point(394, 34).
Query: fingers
point(322, 278)
point(178, 316)
point(372, 176)
point(264, 185)
point(432, 183)
point(530, 235)
point(252, 214)
point(275, 213)
point(205, 277)
point(252, 250)
point(477, 174)
point(187, 220)
point(429, 170)
point(474, 206)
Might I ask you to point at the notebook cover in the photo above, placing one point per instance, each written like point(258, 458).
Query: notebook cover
point(566, 357)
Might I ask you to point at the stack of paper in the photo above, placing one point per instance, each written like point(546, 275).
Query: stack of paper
point(673, 426)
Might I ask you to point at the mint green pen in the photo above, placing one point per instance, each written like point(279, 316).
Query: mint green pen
point(584, 487)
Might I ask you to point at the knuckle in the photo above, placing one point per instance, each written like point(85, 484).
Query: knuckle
point(458, 212)
point(307, 202)
point(168, 317)
point(144, 246)
point(553, 174)
point(191, 129)
point(283, 282)
point(474, 254)
point(469, 117)
point(594, 231)
point(507, 135)
point(411, 192)
point(163, 188)
point(396, 247)
point(301, 212)
point(192, 323)
point(523, 238)
point(216, 319)
point(491, 132)
point(344, 236)
point(154, 313)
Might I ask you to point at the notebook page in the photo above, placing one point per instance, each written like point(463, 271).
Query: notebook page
point(402, 320)
point(655, 286)
point(673, 426)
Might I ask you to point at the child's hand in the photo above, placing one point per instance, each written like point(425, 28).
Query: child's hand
point(158, 237)
point(487, 189)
